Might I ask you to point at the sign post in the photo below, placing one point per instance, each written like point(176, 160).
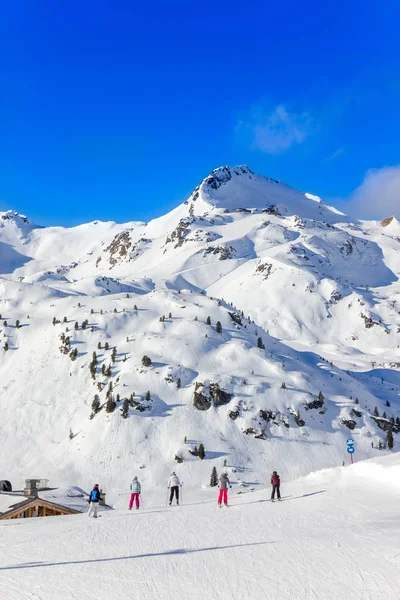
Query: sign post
point(350, 449)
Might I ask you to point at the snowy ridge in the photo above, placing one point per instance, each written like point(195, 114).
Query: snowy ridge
point(307, 345)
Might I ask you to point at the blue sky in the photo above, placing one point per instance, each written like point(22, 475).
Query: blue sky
point(116, 110)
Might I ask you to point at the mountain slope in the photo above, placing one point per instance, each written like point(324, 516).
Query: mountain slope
point(308, 347)
point(329, 538)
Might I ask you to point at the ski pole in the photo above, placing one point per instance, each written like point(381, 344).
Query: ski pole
point(166, 504)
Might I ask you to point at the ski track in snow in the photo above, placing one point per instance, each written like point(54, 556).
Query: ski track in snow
point(334, 536)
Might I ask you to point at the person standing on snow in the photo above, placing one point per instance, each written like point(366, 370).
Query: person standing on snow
point(94, 499)
point(135, 488)
point(174, 484)
point(276, 484)
point(223, 489)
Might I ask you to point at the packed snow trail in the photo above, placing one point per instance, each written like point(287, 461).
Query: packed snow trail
point(334, 536)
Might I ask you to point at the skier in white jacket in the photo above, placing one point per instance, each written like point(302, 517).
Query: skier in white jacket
point(174, 484)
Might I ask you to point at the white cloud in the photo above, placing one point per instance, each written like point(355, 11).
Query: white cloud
point(378, 196)
point(274, 131)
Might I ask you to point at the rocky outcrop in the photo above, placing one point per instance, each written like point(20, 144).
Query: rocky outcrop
point(206, 395)
point(236, 317)
point(201, 398)
point(181, 232)
point(219, 395)
point(223, 252)
point(314, 404)
point(386, 222)
point(349, 423)
point(265, 269)
point(119, 247)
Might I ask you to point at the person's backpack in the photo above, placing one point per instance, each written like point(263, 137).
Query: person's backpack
point(95, 495)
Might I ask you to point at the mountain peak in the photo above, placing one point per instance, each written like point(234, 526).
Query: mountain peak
point(13, 215)
point(239, 188)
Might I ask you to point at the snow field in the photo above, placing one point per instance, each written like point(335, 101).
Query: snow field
point(334, 536)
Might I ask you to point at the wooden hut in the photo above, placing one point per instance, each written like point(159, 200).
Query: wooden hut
point(36, 507)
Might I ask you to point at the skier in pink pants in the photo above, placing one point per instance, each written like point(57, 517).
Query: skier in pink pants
point(135, 488)
point(223, 489)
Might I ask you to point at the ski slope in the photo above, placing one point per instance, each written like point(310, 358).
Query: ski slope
point(333, 537)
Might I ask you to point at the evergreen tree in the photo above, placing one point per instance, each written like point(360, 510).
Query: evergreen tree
point(73, 354)
point(85, 323)
point(376, 412)
point(384, 416)
point(108, 372)
point(65, 320)
point(5, 324)
point(260, 344)
point(103, 369)
point(225, 463)
point(127, 338)
point(170, 316)
point(387, 403)
point(208, 321)
point(146, 361)
point(178, 383)
point(5, 347)
point(148, 397)
point(214, 477)
point(76, 326)
point(96, 404)
point(389, 439)
point(125, 408)
point(99, 346)
point(185, 440)
point(91, 311)
point(202, 453)
point(115, 310)
point(71, 435)
point(398, 421)
point(321, 397)
point(54, 321)
point(283, 386)
point(110, 405)
point(114, 355)
point(135, 307)
point(106, 346)
point(356, 401)
point(218, 327)
point(17, 324)
point(118, 398)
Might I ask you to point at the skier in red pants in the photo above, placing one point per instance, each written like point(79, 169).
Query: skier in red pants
point(135, 488)
point(223, 489)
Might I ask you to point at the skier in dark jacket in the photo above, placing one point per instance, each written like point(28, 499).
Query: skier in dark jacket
point(276, 484)
point(94, 499)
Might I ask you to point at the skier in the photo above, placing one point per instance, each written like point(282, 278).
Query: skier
point(276, 484)
point(223, 489)
point(174, 484)
point(135, 488)
point(94, 499)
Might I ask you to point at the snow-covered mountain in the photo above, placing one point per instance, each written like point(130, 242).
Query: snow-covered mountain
point(270, 318)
